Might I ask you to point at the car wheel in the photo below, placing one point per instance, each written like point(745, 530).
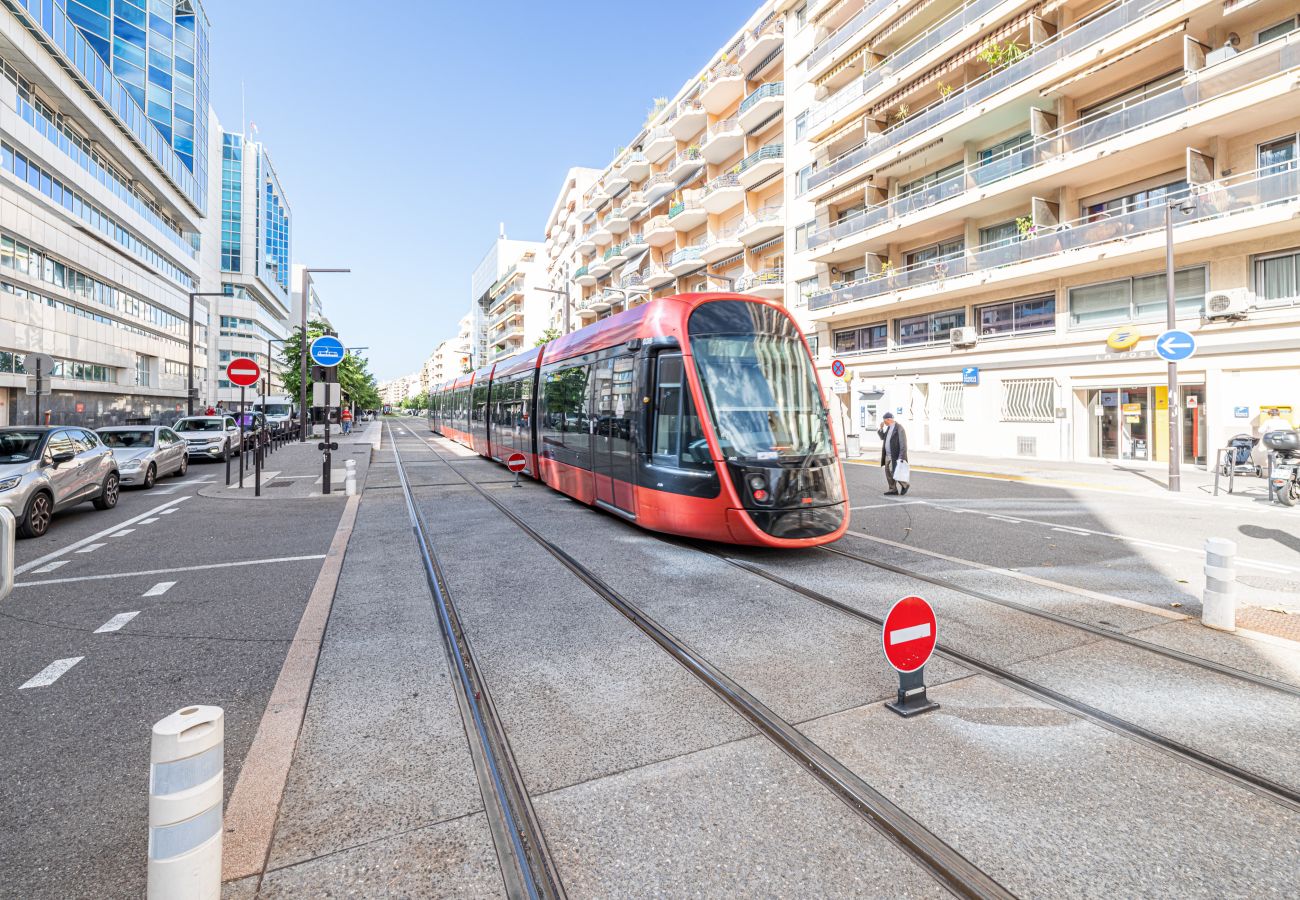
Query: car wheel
point(150, 476)
point(183, 467)
point(107, 498)
point(36, 518)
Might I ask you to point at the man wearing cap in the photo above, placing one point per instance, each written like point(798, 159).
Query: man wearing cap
point(892, 452)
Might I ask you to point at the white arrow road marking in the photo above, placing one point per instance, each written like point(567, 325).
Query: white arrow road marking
point(914, 633)
point(51, 673)
point(159, 589)
point(116, 622)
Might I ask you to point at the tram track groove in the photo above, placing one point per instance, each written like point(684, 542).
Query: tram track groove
point(945, 864)
point(1281, 794)
point(1096, 630)
point(527, 868)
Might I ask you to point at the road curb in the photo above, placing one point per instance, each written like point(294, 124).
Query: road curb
point(254, 804)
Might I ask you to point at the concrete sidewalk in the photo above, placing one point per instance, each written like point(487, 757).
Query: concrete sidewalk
point(293, 471)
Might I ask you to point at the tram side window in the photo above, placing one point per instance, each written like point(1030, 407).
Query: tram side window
point(480, 403)
point(678, 439)
point(565, 402)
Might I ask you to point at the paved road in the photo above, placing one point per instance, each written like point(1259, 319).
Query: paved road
point(170, 599)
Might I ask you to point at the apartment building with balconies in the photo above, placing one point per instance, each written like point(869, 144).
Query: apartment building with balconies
point(984, 188)
point(695, 200)
point(562, 256)
point(509, 313)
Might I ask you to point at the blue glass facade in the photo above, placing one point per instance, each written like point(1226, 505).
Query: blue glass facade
point(148, 59)
point(256, 244)
point(232, 201)
point(275, 227)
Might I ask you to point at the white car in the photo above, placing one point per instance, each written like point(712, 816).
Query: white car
point(209, 437)
point(145, 453)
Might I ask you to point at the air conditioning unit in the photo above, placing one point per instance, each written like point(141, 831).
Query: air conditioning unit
point(1233, 303)
point(963, 337)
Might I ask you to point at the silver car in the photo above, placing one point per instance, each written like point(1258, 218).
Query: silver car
point(145, 453)
point(46, 470)
point(209, 437)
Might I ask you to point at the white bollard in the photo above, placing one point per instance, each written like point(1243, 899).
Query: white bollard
point(8, 534)
point(350, 477)
point(1219, 605)
point(186, 776)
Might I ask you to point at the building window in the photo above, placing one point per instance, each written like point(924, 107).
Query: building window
point(1281, 28)
point(801, 237)
point(813, 342)
point(935, 252)
point(1017, 316)
point(866, 339)
point(925, 181)
point(1136, 299)
point(1028, 400)
point(804, 289)
point(801, 180)
point(1131, 96)
point(142, 371)
point(954, 401)
point(929, 328)
point(1277, 279)
point(1144, 199)
point(1279, 155)
point(801, 16)
point(999, 235)
point(801, 126)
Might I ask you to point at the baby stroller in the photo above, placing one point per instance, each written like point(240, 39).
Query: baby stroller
point(1241, 461)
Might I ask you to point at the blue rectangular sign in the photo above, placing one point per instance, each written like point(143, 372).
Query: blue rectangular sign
point(970, 375)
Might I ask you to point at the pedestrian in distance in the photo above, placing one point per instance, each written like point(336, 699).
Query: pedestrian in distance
point(211, 411)
point(893, 455)
point(346, 418)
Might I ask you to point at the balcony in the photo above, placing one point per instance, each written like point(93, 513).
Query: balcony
point(724, 139)
point(724, 245)
point(762, 165)
point(618, 220)
point(724, 85)
point(635, 166)
point(586, 243)
point(596, 197)
point(659, 143)
point(630, 282)
point(506, 314)
point(601, 234)
point(825, 55)
point(601, 267)
point(685, 162)
point(762, 41)
point(690, 119)
point(1262, 202)
point(769, 283)
point(658, 186)
point(659, 231)
point(635, 203)
point(688, 213)
point(601, 302)
point(722, 193)
point(761, 105)
point(615, 256)
point(762, 225)
point(584, 276)
point(616, 181)
point(657, 275)
point(685, 261)
point(584, 310)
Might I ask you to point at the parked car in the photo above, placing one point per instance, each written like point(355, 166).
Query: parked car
point(145, 453)
point(251, 421)
point(209, 437)
point(44, 470)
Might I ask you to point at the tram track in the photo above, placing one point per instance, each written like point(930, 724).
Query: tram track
point(527, 867)
point(947, 865)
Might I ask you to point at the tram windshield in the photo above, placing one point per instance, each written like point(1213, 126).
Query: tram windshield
point(758, 382)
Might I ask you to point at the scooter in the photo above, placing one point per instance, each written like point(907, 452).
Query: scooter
point(1285, 483)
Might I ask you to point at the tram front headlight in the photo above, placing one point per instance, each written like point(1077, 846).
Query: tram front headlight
point(758, 488)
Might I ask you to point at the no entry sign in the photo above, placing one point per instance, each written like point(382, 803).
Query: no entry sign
point(516, 462)
point(243, 372)
point(909, 635)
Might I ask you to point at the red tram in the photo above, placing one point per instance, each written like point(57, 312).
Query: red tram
point(610, 415)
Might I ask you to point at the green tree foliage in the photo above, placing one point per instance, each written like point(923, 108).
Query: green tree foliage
point(548, 335)
point(355, 377)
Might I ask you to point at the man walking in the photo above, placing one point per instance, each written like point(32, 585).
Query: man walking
point(346, 418)
point(892, 452)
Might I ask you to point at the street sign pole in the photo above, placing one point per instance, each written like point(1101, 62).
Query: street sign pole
point(908, 637)
point(325, 459)
point(241, 437)
point(1175, 459)
point(37, 422)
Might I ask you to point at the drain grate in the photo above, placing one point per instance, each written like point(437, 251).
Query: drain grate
point(280, 483)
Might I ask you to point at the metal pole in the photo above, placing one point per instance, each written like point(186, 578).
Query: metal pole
point(302, 357)
point(37, 400)
point(242, 444)
point(325, 460)
point(189, 388)
point(1175, 469)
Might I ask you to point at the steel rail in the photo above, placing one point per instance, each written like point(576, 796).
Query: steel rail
point(526, 864)
point(952, 870)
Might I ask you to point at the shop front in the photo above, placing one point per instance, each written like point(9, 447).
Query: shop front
point(1131, 423)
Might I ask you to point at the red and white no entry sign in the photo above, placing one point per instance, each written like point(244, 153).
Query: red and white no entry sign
point(516, 462)
point(909, 634)
point(243, 372)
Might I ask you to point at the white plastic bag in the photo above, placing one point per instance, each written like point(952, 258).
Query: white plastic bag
point(902, 472)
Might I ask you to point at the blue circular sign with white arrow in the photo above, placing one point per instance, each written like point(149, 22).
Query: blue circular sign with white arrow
point(1176, 345)
point(326, 351)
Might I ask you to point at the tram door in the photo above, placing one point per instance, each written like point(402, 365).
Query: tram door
point(614, 464)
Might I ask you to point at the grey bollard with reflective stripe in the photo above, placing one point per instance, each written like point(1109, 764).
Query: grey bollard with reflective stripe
point(8, 534)
point(186, 777)
point(1219, 604)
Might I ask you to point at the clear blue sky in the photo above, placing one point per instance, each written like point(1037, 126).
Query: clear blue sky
point(404, 131)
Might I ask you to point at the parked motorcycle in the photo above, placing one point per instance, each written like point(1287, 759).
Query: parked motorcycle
point(1286, 465)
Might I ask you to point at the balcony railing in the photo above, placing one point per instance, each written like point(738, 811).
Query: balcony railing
point(684, 204)
point(689, 155)
point(836, 38)
point(657, 222)
point(634, 159)
point(721, 128)
point(1258, 63)
point(726, 70)
point(614, 251)
point(659, 179)
point(771, 151)
point(774, 213)
point(771, 89)
point(636, 279)
point(688, 106)
point(1251, 192)
point(763, 277)
point(686, 254)
point(722, 182)
point(582, 270)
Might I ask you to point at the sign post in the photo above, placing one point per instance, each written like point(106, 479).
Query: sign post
point(516, 462)
point(327, 351)
point(39, 368)
point(1174, 346)
point(243, 372)
point(908, 637)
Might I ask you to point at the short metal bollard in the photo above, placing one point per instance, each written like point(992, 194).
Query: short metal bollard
point(8, 537)
point(186, 779)
point(350, 477)
point(227, 470)
point(1219, 605)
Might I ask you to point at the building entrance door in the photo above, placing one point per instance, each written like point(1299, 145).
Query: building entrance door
point(1121, 423)
point(1193, 413)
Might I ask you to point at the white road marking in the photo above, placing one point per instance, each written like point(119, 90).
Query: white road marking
point(1074, 531)
point(51, 673)
point(1006, 519)
point(250, 477)
point(914, 633)
point(883, 505)
point(116, 622)
point(159, 589)
point(149, 521)
point(123, 533)
point(168, 512)
point(90, 548)
point(224, 565)
point(1267, 567)
point(161, 492)
point(42, 560)
point(50, 567)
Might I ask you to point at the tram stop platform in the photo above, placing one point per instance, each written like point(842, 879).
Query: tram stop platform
point(1061, 761)
point(294, 470)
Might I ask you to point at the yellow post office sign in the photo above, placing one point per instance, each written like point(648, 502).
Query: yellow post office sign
point(1123, 338)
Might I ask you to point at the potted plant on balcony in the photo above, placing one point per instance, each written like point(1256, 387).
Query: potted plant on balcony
point(944, 89)
point(900, 114)
point(996, 55)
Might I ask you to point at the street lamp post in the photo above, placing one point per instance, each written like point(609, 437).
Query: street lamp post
point(266, 383)
point(731, 282)
point(189, 387)
point(1186, 206)
point(302, 350)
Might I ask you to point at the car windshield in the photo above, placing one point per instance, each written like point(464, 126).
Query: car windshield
point(19, 446)
point(276, 409)
point(199, 425)
point(127, 439)
point(758, 382)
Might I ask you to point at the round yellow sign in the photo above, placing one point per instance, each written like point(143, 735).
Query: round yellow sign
point(1123, 338)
